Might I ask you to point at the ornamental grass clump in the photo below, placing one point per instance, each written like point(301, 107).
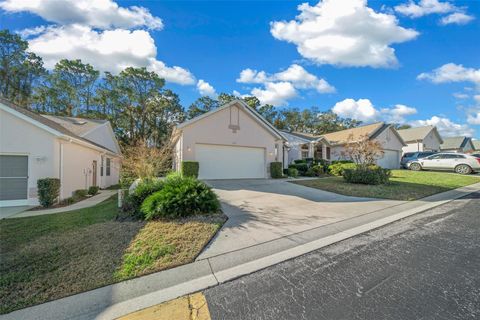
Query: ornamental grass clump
point(180, 196)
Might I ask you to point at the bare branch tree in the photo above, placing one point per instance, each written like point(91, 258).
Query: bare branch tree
point(363, 151)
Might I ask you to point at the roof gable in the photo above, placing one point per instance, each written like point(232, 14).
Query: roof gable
point(454, 142)
point(476, 144)
point(254, 114)
point(343, 136)
point(415, 134)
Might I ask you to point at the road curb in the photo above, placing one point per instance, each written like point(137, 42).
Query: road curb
point(133, 295)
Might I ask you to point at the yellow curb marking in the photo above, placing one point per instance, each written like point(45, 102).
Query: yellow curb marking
point(191, 307)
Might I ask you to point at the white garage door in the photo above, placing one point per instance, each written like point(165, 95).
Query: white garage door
point(13, 177)
point(390, 160)
point(230, 162)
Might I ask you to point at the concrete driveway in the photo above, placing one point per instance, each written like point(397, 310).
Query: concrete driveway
point(263, 210)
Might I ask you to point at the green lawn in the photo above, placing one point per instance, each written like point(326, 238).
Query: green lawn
point(48, 257)
point(404, 185)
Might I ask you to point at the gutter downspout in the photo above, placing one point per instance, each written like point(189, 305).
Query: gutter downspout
point(61, 170)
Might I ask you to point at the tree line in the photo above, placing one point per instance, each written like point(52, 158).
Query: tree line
point(135, 100)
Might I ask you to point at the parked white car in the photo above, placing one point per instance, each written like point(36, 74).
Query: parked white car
point(458, 162)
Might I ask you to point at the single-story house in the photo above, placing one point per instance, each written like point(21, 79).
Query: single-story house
point(80, 152)
point(457, 144)
point(331, 146)
point(230, 142)
point(476, 145)
point(424, 138)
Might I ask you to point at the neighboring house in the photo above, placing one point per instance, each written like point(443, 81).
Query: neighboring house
point(331, 146)
point(457, 144)
point(80, 152)
point(424, 138)
point(230, 142)
point(476, 145)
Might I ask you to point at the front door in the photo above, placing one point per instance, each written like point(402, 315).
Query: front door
point(94, 176)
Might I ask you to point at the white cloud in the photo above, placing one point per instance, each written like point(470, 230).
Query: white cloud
point(295, 74)
point(424, 7)
point(364, 110)
point(102, 14)
point(445, 126)
point(474, 118)
point(109, 50)
point(275, 93)
point(452, 72)
point(344, 33)
point(457, 18)
point(205, 88)
point(477, 98)
point(460, 95)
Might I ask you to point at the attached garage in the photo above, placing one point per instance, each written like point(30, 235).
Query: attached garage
point(230, 162)
point(230, 142)
point(13, 179)
point(390, 159)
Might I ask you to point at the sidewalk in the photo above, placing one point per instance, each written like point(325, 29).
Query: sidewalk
point(119, 299)
point(89, 202)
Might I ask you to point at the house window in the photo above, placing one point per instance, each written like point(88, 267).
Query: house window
point(101, 167)
point(304, 151)
point(328, 153)
point(108, 167)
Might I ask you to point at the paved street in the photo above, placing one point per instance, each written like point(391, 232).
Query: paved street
point(423, 267)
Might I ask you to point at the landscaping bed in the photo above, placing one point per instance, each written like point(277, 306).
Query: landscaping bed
point(52, 256)
point(403, 185)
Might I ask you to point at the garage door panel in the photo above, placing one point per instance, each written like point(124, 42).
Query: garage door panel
point(230, 162)
point(390, 160)
point(13, 188)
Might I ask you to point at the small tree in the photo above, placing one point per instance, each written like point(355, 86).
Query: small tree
point(363, 151)
point(144, 161)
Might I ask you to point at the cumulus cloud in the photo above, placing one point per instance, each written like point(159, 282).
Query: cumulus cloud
point(457, 18)
point(364, 110)
point(445, 126)
point(109, 50)
point(474, 119)
point(98, 32)
point(103, 14)
point(452, 72)
point(424, 7)
point(292, 79)
point(275, 93)
point(344, 33)
point(205, 88)
point(455, 15)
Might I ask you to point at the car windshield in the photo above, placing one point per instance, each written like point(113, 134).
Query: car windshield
point(408, 154)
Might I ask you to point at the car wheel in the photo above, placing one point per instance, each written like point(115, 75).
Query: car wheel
point(463, 169)
point(415, 167)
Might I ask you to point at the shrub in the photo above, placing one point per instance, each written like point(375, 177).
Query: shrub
point(80, 193)
point(276, 170)
point(190, 168)
point(367, 175)
point(179, 197)
point(292, 172)
point(299, 161)
point(144, 189)
point(93, 190)
point(338, 168)
point(341, 161)
point(317, 170)
point(302, 168)
point(48, 191)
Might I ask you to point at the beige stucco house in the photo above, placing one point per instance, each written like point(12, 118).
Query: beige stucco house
point(424, 138)
point(230, 142)
point(80, 152)
point(331, 146)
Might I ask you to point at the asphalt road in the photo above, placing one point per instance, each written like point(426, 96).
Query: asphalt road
point(423, 267)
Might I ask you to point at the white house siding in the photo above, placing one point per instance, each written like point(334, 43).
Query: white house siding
point(431, 142)
point(103, 135)
point(214, 129)
point(17, 137)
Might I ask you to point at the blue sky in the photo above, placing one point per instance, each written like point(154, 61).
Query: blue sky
point(415, 62)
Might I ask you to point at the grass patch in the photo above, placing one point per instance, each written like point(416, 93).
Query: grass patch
point(48, 257)
point(404, 185)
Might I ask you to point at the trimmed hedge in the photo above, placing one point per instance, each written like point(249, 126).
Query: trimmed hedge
point(292, 172)
point(373, 175)
point(299, 161)
point(93, 190)
point(276, 170)
point(302, 167)
point(338, 168)
point(190, 168)
point(180, 197)
point(48, 191)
